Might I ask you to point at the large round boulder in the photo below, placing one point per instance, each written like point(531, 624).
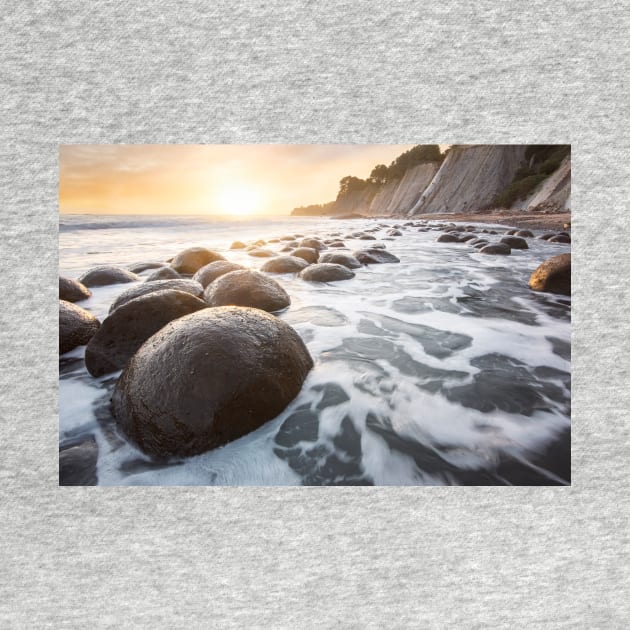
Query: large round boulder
point(515, 242)
point(76, 326)
point(193, 258)
point(107, 274)
point(326, 272)
point(247, 288)
point(554, 275)
point(209, 378)
point(374, 256)
point(496, 249)
point(129, 326)
point(309, 254)
point(560, 238)
point(181, 284)
point(313, 243)
point(448, 238)
point(525, 233)
point(214, 270)
point(238, 245)
point(284, 264)
point(340, 258)
point(163, 273)
point(72, 291)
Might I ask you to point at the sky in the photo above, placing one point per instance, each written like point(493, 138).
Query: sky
point(209, 179)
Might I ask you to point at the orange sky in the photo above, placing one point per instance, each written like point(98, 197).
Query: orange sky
point(212, 179)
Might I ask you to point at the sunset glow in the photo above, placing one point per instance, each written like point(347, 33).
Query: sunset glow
point(235, 180)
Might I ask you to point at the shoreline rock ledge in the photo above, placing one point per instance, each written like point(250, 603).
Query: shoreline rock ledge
point(209, 378)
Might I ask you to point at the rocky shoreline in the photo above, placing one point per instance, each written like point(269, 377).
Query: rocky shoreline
point(204, 359)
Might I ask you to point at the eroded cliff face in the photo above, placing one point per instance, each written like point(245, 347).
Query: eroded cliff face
point(553, 193)
point(470, 178)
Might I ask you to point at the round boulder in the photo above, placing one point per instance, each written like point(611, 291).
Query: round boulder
point(182, 284)
point(261, 253)
point(247, 288)
point(448, 238)
point(106, 274)
point(498, 249)
point(515, 242)
point(340, 258)
point(337, 244)
point(164, 273)
point(554, 275)
point(129, 326)
point(546, 236)
point(76, 326)
point(241, 367)
point(326, 272)
point(560, 238)
point(525, 233)
point(208, 274)
point(284, 264)
point(72, 291)
point(193, 258)
point(313, 243)
point(238, 245)
point(309, 254)
point(143, 266)
point(374, 256)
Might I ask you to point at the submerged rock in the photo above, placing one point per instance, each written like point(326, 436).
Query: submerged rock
point(193, 258)
point(182, 284)
point(285, 264)
point(326, 272)
point(375, 256)
point(105, 274)
point(76, 326)
point(164, 273)
point(261, 253)
point(130, 325)
point(500, 249)
point(77, 463)
point(554, 275)
point(313, 243)
point(339, 258)
point(143, 266)
point(241, 368)
point(210, 272)
point(448, 238)
point(247, 288)
point(72, 290)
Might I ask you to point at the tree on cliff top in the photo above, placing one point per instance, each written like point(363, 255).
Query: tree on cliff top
point(350, 184)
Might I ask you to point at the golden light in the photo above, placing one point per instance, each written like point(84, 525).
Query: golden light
point(238, 200)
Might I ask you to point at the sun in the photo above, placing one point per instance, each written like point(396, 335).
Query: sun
point(238, 200)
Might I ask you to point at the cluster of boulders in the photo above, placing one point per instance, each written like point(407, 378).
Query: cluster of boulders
point(203, 362)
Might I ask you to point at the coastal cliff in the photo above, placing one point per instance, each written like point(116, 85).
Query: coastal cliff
point(469, 178)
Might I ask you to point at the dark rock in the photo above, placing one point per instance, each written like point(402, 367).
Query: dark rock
point(326, 272)
point(313, 243)
point(247, 288)
point(130, 325)
point(467, 237)
point(554, 275)
point(500, 249)
point(559, 238)
point(337, 244)
point(72, 291)
point(285, 264)
point(332, 395)
point(238, 245)
point(182, 284)
point(515, 242)
point(394, 233)
point(76, 326)
point(77, 463)
point(309, 254)
point(448, 238)
point(525, 233)
point(241, 368)
point(143, 266)
point(511, 232)
point(338, 258)
point(547, 236)
point(193, 259)
point(374, 256)
point(209, 273)
point(104, 275)
point(164, 273)
point(480, 244)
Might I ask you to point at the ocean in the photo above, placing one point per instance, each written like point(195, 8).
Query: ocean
point(442, 369)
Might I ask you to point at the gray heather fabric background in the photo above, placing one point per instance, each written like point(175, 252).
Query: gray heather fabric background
point(342, 72)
